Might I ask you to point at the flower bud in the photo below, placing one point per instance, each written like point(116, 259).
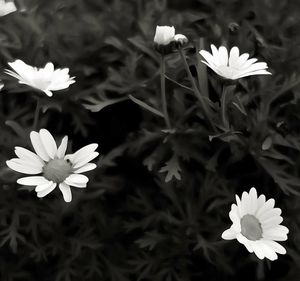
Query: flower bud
point(180, 40)
point(164, 35)
point(7, 7)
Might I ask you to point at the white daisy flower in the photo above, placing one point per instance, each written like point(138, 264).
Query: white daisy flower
point(7, 7)
point(234, 66)
point(45, 79)
point(257, 225)
point(164, 35)
point(55, 168)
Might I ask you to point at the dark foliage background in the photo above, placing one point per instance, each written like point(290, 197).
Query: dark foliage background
point(130, 224)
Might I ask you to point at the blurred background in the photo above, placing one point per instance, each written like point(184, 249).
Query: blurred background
point(131, 223)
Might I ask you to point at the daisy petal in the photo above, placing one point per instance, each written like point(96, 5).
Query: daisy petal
point(45, 192)
point(269, 252)
point(275, 246)
point(27, 155)
point(66, 191)
point(84, 160)
point(85, 168)
point(23, 167)
point(229, 234)
point(268, 205)
point(77, 179)
point(31, 181)
point(223, 55)
point(48, 143)
point(233, 56)
point(215, 53)
point(258, 251)
point(62, 148)
point(38, 146)
point(208, 57)
point(43, 186)
point(84, 151)
point(252, 200)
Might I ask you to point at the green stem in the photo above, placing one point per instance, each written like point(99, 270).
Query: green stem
point(196, 90)
point(163, 91)
point(36, 114)
point(223, 108)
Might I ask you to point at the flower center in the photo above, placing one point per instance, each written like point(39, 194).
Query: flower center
point(251, 227)
point(57, 170)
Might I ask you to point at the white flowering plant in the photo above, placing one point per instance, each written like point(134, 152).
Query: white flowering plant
point(149, 140)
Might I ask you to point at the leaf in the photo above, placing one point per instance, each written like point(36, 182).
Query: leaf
point(287, 182)
point(227, 136)
point(146, 106)
point(97, 105)
point(17, 128)
point(138, 43)
point(267, 143)
point(150, 240)
point(172, 168)
point(109, 159)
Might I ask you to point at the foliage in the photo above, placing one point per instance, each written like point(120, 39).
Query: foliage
point(157, 204)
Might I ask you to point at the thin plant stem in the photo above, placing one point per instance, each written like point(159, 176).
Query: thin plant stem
point(196, 90)
point(36, 114)
point(163, 91)
point(223, 107)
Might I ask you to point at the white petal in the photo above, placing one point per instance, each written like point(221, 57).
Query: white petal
point(275, 212)
point(258, 251)
point(268, 251)
point(48, 93)
point(24, 70)
point(48, 143)
point(261, 200)
point(254, 67)
point(240, 209)
point(38, 146)
point(78, 185)
point(84, 151)
point(27, 155)
point(275, 246)
point(245, 202)
point(66, 191)
point(233, 214)
point(23, 167)
point(209, 58)
point(84, 160)
point(248, 63)
point(267, 206)
point(241, 238)
point(233, 56)
point(45, 192)
point(223, 55)
point(252, 201)
point(76, 179)
point(271, 222)
point(214, 68)
point(85, 168)
point(43, 186)
point(258, 72)
point(229, 234)
point(278, 233)
point(31, 181)
point(242, 59)
point(62, 148)
point(215, 53)
point(248, 245)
